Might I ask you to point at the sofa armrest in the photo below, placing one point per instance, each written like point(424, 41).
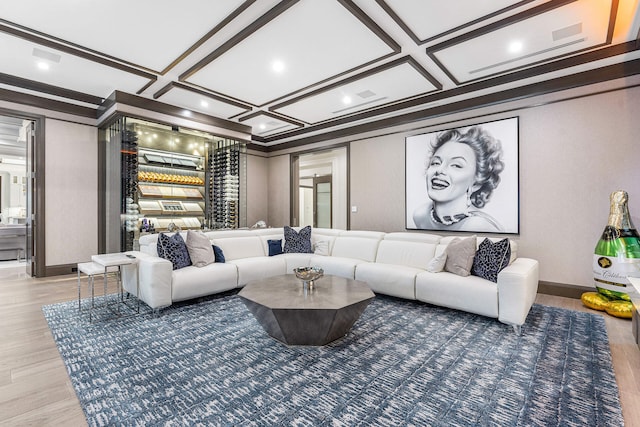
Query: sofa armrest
point(155, 275)
point(517, 289)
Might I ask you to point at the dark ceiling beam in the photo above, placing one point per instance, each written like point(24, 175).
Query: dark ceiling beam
point(585, 78)
point(46, 104)
point(49, 89)
point(573, 61)
point(124, 98)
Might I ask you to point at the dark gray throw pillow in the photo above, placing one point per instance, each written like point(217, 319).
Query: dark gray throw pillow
point(299, 242)
point(173, 248)
point(491, 258)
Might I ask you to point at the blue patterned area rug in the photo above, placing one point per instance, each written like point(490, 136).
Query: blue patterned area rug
point(209, 362)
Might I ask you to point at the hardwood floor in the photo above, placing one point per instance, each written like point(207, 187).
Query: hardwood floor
point(35, 388)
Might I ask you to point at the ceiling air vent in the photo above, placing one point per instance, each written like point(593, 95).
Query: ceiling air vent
point(365, 94)
point(565, 32)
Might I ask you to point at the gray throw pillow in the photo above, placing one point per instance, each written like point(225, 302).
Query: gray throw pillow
point(200, 249)
point(460, 254)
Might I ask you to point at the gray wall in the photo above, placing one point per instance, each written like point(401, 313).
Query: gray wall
point(257, 188)
point(573, 154)
point(71, 192)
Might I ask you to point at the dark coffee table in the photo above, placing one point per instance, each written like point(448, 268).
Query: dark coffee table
point(296, 315)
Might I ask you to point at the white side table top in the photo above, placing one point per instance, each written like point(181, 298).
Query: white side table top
point(109, 260)
point(635, 282)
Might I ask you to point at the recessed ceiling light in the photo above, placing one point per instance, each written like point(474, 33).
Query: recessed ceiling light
point(515, 46)
point(262, 126)
point(278, 66)
point(186, 113)
point(204, 103)
point(346, 100)
point(43, 65)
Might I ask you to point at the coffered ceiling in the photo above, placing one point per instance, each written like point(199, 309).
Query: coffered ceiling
point(295, 70)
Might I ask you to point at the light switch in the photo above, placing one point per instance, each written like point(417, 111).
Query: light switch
point(354, 209)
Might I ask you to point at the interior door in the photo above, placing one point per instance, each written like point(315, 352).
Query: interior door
point(30, 253)
point(322, 202)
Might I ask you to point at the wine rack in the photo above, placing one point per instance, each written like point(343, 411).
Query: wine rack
point(224, 185)
point(171, 189)
point(157, 174)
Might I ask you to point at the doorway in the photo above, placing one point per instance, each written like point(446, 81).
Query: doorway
point(17, 136)
point(319, 183)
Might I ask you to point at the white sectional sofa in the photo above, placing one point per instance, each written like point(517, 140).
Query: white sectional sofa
point(391, 263)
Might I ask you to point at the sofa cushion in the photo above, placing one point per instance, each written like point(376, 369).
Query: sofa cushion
point(389, 279)
point(460, 255)
point(297, 242)
point(256, 268)
point(200, 249)
point(174, 249)
point(240, 247)
point(403, 252)
point(219, 255)
point(362, 245)
point(296, 260)
point(472, 294)
point(275, 247)
point(336, 266)
point(193, 282)
point(491, 258)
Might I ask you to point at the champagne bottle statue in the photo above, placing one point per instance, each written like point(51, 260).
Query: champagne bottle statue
point(616, 257)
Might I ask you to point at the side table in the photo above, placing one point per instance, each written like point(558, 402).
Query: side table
point(118, 260)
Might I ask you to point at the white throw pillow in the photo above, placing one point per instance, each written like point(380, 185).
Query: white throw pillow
point(436, 265)
point(321, 247)
point(199, 248)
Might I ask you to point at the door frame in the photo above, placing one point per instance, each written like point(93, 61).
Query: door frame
point(326, 179)
point(35, 156)
point(294, 192)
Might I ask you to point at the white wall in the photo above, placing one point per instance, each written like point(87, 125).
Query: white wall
point(71, 187)
point(573, 154)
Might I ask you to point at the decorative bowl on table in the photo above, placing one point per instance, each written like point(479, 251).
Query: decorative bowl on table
point(308, 274)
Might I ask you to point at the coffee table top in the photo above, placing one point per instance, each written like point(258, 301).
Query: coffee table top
point(287, 292)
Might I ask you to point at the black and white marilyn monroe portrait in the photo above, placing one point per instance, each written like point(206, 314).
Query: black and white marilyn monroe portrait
point(462, 171)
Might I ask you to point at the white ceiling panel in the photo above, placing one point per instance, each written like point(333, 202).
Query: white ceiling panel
point(390, 57)
point(427, 19)
point(64, 70)
point(202, 103)
point(149, 33)
point(265, 124)
point(393, 84)
point(313, 40)
point(564, 30)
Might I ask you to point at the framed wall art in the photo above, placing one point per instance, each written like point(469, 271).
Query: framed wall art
point(464, 179)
